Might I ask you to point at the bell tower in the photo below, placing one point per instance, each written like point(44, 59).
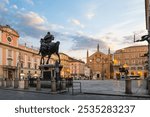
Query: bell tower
point(97, 47)
point(87, 56)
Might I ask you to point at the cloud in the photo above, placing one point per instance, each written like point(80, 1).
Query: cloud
point(128, 39)
point(85, 42)
point(6, 1)
point(30, 2)
point(3, 6)
point(15, 6)
point(90, 15)
point(77, 23)
point(32, 18)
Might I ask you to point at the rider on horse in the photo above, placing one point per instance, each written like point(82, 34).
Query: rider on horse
point(46, 42)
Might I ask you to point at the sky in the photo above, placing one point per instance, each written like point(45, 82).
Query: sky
point(79, 25)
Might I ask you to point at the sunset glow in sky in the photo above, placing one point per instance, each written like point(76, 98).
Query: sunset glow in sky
point(78, 24)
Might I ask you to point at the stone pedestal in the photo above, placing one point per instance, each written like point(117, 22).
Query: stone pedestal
point(149, 86)
point(21, 84)
point(38, 84)
point(51, 72)
point(3, 83)
point(128, 86)
point(16, 83)
point(53, 85)
point(63, 84)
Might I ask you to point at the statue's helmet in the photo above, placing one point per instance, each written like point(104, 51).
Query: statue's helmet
point(48, 33)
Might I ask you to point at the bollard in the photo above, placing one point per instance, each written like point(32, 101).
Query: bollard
point(38, 84)
point(4, 82)
point(16, 83)
point(63, 86)
point(11, 83)
point(128, 86)
point(149, 86)
point(26, 84)
point(53, 85)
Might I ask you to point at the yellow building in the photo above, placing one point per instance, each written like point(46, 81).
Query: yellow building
point(71, 67)
point(100, 65)
point(65, 62)
point(132, 58)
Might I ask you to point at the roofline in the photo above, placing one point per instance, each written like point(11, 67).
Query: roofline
point(131, 47)
point(7, 26)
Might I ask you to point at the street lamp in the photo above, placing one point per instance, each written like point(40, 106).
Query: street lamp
point(22, 76)
point(35, 75)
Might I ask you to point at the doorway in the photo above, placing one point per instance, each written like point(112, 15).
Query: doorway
point(10, 74)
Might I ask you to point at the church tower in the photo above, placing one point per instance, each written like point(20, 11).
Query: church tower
point(108, 51)
point(97, 47)
point(87, 56)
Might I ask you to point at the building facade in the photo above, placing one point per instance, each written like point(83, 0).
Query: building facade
point(20, 61)
point(133, 59)
point(16, 60)
point(77, 68)
point(100, 65)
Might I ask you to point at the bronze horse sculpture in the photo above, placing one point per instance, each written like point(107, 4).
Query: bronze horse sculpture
point(49, 49)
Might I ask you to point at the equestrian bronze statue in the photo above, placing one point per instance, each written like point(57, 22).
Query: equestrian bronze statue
point(48, 48)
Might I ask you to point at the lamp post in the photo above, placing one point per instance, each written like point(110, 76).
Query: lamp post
point(147, 37)
point(147, 17)
point(22, 76)
point(35, 75)
point(121, 61)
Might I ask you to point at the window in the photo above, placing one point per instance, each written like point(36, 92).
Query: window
point(127, 61)
point(35, 60)
point(132, 73)
point(21, 64)
point(29, 65)
point(140, 68)
point(9, 40)
point(133, 68)
point(133, 61)
point(9, 53)
point(35, 66)
point(9, 62)
point(29, 58)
